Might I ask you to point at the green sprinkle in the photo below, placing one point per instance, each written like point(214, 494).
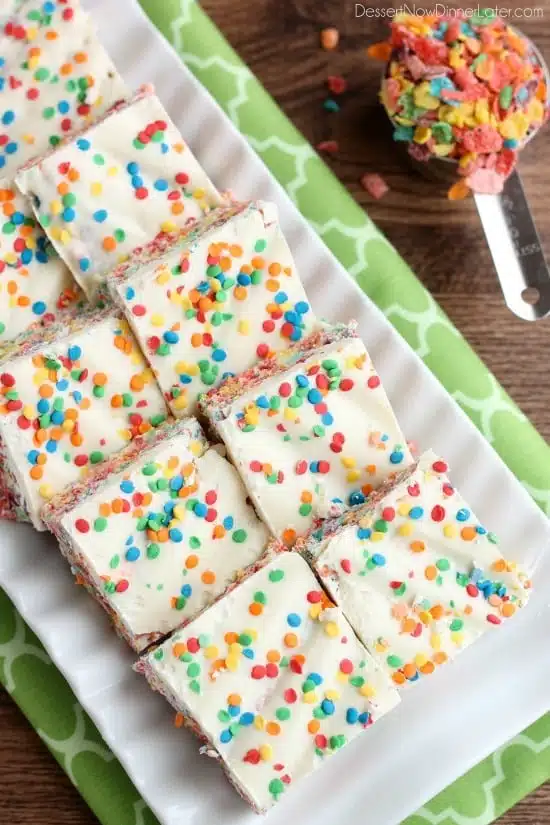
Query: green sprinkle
point(159, 654)
point(456, 624)
point(239, 536)
point(357, 681)
point(149, 470)
point(305, 509)
point(282, 714)
point(96, 456)
point(394, 661)
point(153, 551)
point(276, 787)
point(100, 524)
point(115, 561)
point(276, 575)
point(260, 245)
point(181, 601)
point(223, 716)
point(157, 420)
point(381, 526)
point(99, 160)
point(308, 686)
point(195, 686)
point(194, 543)
point(120, 235)
point(193, 670)
point(245, 639)
point(260, 597)
point(443, 564)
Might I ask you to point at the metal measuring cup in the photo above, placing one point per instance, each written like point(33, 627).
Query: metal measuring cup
point(509, 228)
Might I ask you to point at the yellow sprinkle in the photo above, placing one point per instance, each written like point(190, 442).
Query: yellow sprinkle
point(332, 629)
point(197, 448)
point(314, 611)
point(290, 414)
point(244, 327)
point(442, 149)
point(163, 276)
point(406, 530)
point(179, 512)
point(342, 677)
point(435, 641)
point(112, 171)
point(259, 722)
point(168, 226)
point(457, 637)
point(450, 531)
point(349, 462)
point(420, 660)
point(404, 508)
point(65, 237)
point(157, 320)
point(309, 698)
point(68, 426)
point(180, 403)
point(232, 662)
point(211, 652)
point(46, 491)
point(28, 410)
point(198, 194)
point(367, 690)
point(266, 752)
point(252, 632)
point(353, 475)
point(96, 189)
point(333, 695)
point(178, 299)
point(481, 111)
point(56, 207)
point(377, 537)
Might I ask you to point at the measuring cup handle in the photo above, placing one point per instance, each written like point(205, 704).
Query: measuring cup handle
point(516, 250)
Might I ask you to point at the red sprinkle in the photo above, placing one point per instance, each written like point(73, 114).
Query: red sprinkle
point(346, 666)
point(345, 564)
point(328, 146)
point(258, 672)
point(82, 525)
point(337, 84)
point(375, 185)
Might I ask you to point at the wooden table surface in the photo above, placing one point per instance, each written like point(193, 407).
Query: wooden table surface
point(443, 242)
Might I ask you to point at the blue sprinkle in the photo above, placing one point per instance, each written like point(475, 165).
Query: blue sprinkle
point(248, 652)
point(83, 144)
point(481, 530)
point(186, 590)
point(17, 218)
point(129, 541)
point(57, 417)
point(77, 395)
point(137, 181)
point(510, 143)
point(200, 509)
point(294, 620)
point(439, 84)
point(228, 522)
point(43, 406)
point(176, 483)
point(291, 317)
point(302, 380)
point(41, 256)
point(364, 717)
point(175, 535)
point(234, 710)
point(62, 385)
point(302, 307)
point(397, 457)
point(296, 334)
point(132, 168)
point(132, 554)
point(11, 148)
point(51, 446)
point(416, 512)
point(84, 264)
point(2, 161)
point(68, 214)
point(403, 134)
point(364, 533)
point(463, 514)
point(327, 706)
point(281, 298)
point(100, 215)
point(127, 486)
point(39, 307)
point(378, 559)
point(74, 352)
point(219, 355)
point(63, 107)
point(243, 279)
point(171, 337)
point(32, 456)
point(185, 379)
point(226, 736)
point(357, 497)
point(247, 719)
point(314, 466)
point(130, 293)
point(316, 678)
point(314, 396)
point(164, 148)
point(327, 419)
point(352, 715)
point(169, 507)
point(161, 185)
point(8, 117)
point(26, 256)
point(262, 402)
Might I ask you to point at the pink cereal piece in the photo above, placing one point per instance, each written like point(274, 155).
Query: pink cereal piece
point(483, 139)
point(506, 162)
point(415, 66)
point(486, 182)
point(392, 89)
point(375, 185)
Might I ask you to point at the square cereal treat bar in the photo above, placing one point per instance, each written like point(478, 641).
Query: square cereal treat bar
point(70, 396)
point(222, 295)
point(272, 679)
point(417, 576)
point(35, 284)
point(55, 78)
point(310, 431)
point(159, 531)
point(115, 186)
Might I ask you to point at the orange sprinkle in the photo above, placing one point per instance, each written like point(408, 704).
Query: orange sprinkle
point(63, 188)
point(273, 728)
point(178, 649)
point(289, 536)
point(208, 577)
point(76, 439)
point(105, 509)
point(468, 533)
point(23, 301)
point(235, 700)
point(436, 612)
point(417, 546)
point(330, 38)
point(179, 719)
point(427, 668)
point(255, 609)
point(258, 262)
point(218, 532)
point(230, 638)
point(313, 726)
point(408, 625)
point(137, 383)
point(116, 401)
point(109, 243)
point(431, 572)
point(440, 657)
point(80, 57)
point(99, 379)
point(399, 678)
point(235, 250)
point(117, 505)
point(271, 285)
point(273, 656)
point(240, 293)
point(45, 391)
point(196, 339)
point(36, 473)
point(507, 609)
point(290, 640)
point(409, 670)
point(191, 561)
point(306, 497)
point(73, 174)
point(459, 191)
point(380, 51)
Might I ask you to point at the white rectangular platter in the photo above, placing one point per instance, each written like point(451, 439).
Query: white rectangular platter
point(447, 723)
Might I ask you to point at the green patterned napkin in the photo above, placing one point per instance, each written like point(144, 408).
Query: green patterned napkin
point(498, 782)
